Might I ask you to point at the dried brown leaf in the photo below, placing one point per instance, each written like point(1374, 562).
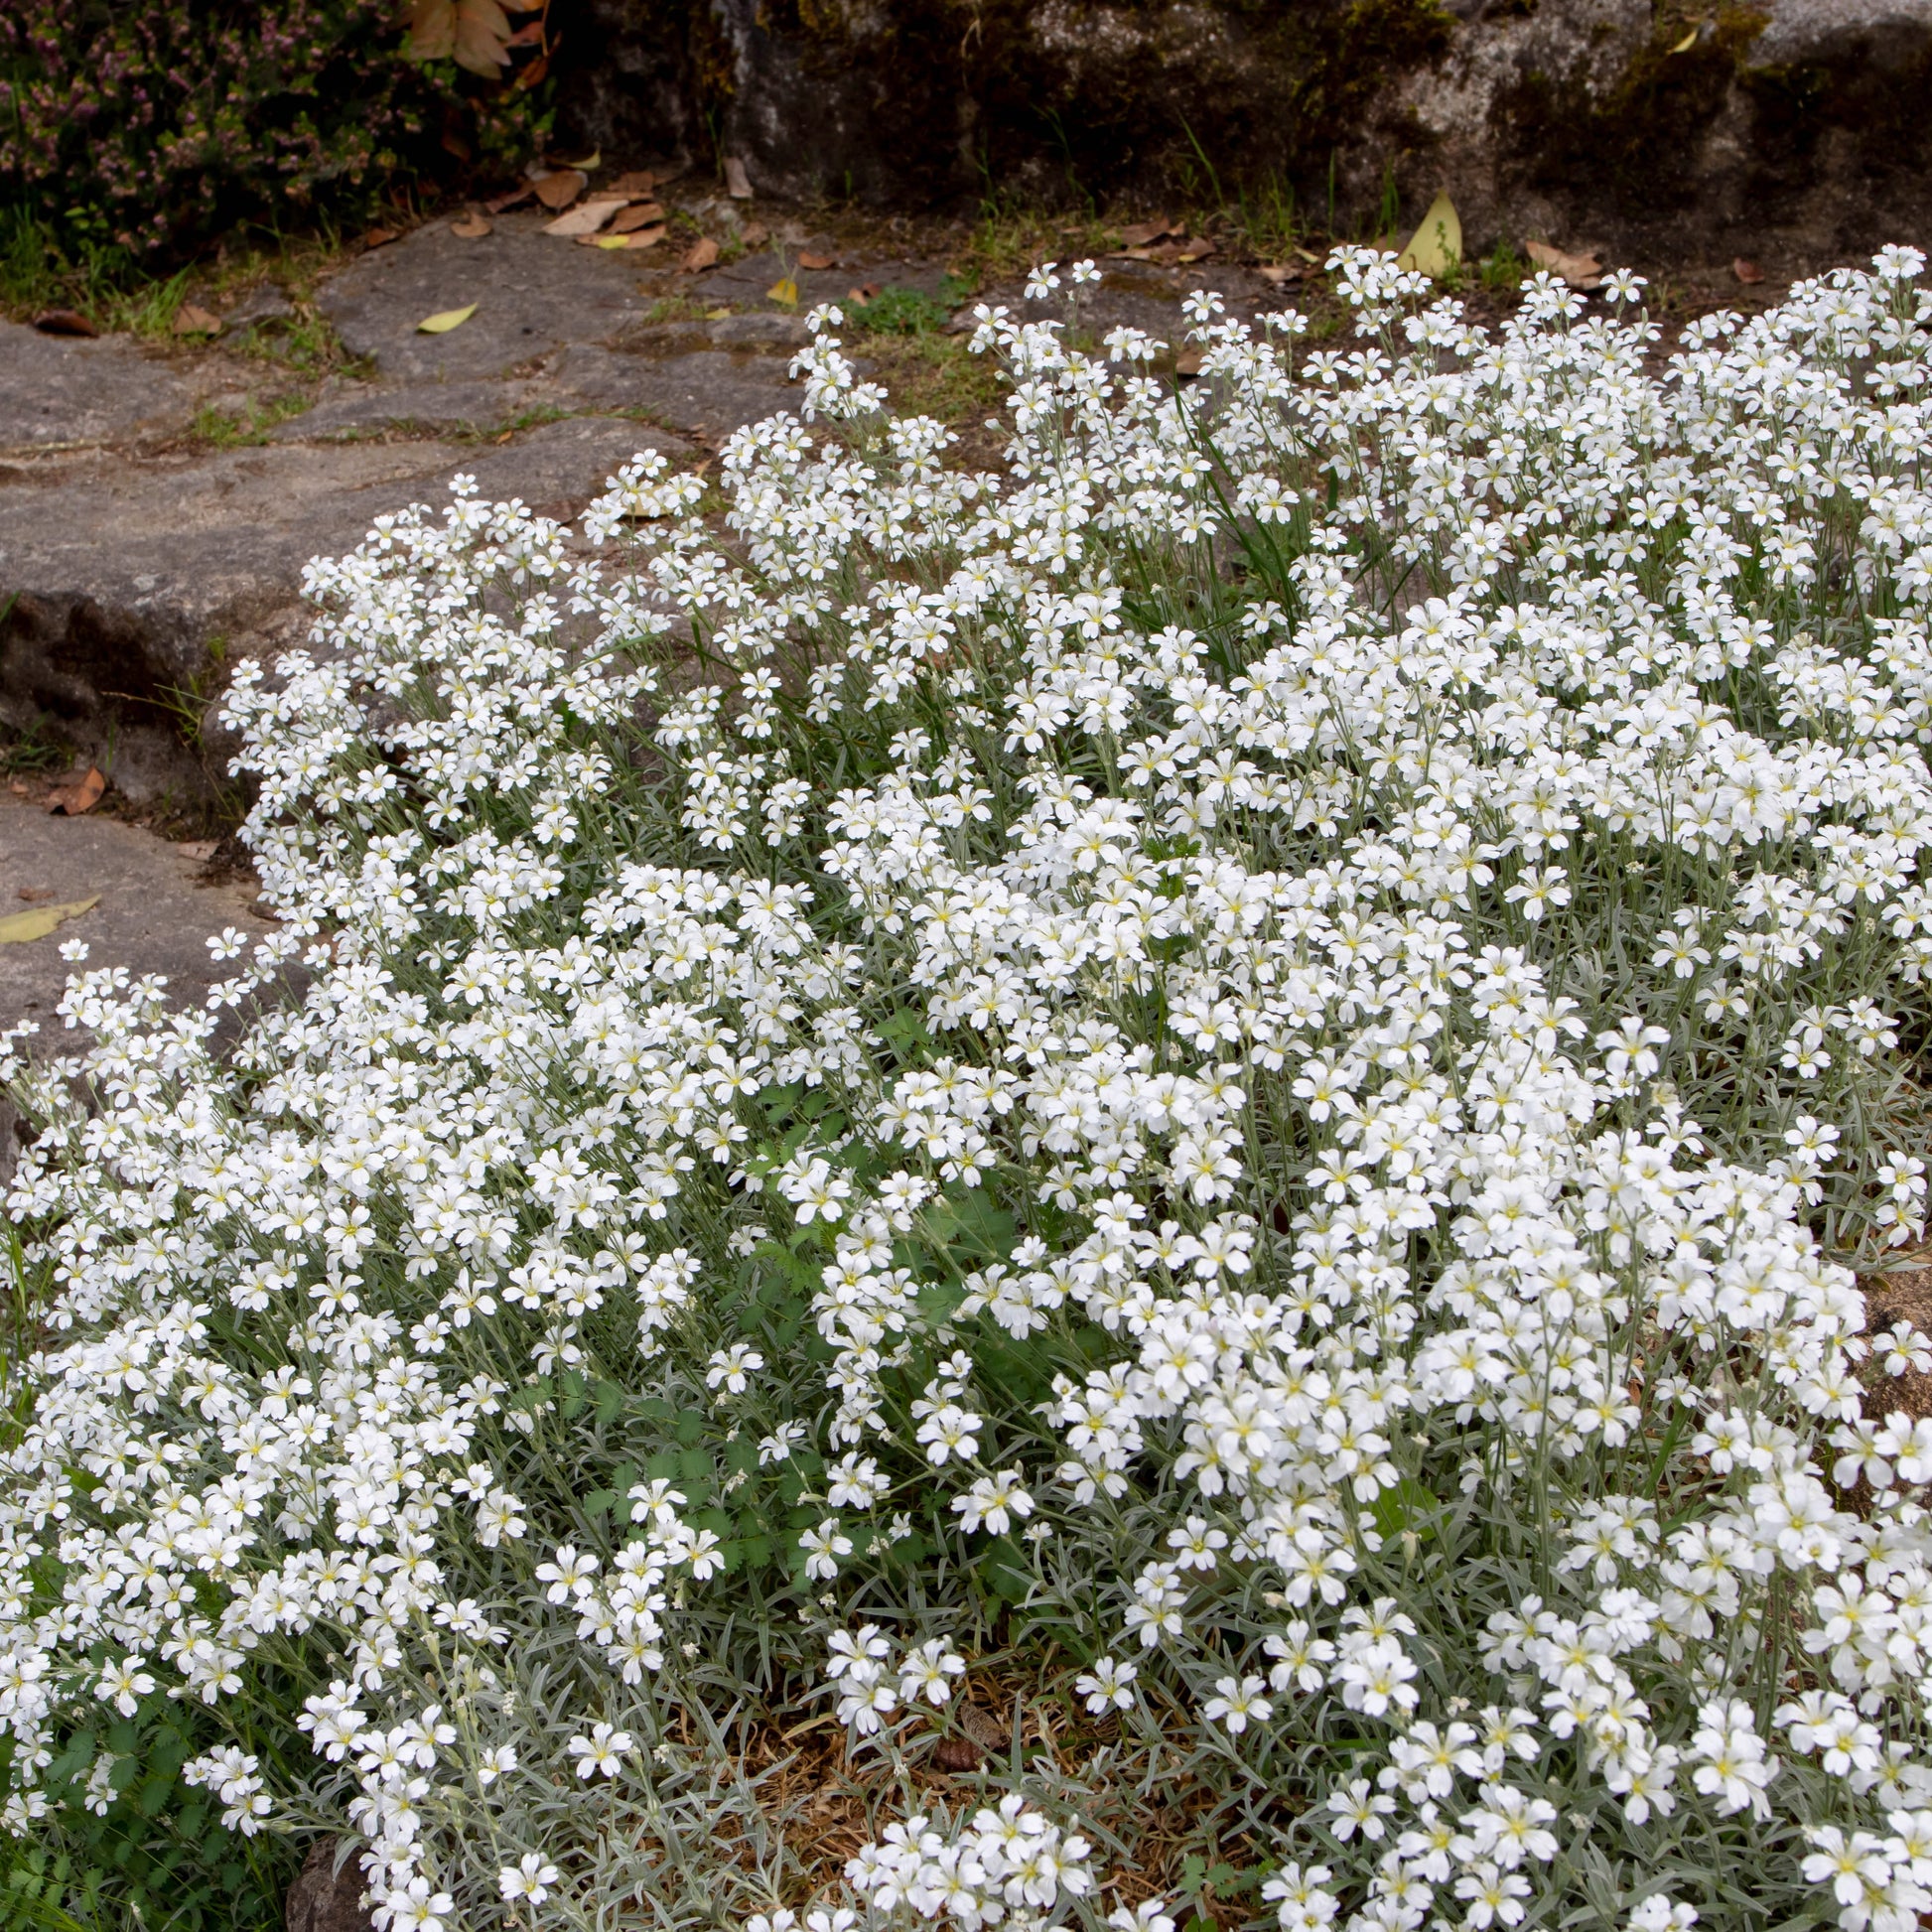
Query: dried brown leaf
point(1144, 235)
point(192, 320)
point(738, 183)
point(1579, 272)
point(472, 227)
point(431, 30)
point(516, 196)
point(1276, 273)
point(806, 259)
point(637, 184)
point(586, 219)
point(702, 253)
point(63, 321)
point(560, 187)
point(379, 238)
point(1747, 271)
point(82, 795)
point(640, 214)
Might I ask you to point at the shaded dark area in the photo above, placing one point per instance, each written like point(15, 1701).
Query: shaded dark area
point(1537, 114)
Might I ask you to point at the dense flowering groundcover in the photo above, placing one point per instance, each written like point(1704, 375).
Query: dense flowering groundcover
point(1218, 1093)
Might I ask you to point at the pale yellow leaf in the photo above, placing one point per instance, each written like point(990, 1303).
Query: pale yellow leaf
point(17, 927)
point(442, 322)
point(1688, 40)
point(784, 292)
point(1436, 248)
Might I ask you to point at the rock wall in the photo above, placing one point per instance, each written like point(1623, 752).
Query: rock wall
point(1677, 123)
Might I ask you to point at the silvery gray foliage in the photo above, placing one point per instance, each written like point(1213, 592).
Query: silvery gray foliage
point(1271, 1029)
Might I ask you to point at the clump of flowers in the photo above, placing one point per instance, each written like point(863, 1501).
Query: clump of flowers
point(1228, 1082)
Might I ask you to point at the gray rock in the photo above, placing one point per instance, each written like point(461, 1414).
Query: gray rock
point(325, 1899)
point(154, 913)
point(533, 293)
point(1788, 127)
point(707, 394)
point(346, 407)
point(759, 331)
point(135, 582)
point(267, 304)
point(67, 391)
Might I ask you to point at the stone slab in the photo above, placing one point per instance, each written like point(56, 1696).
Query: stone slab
point(67, 391)
point(153, 917)
point(705, 393)
point(533, 293)
point(131, 578)
point(346, 407)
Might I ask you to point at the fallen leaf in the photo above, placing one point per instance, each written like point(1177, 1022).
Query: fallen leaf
point(637, 183)
point(1436, 248)
point(1747, 271)
point(862, 295)
point(379, 238)
point(527, 35)
point(636, 238)
point(715, 315)
point(498, 203)
point(193, 320)
point(584, 219)
point(475, 34)
point(533, 72)
point(958, 1755)
point(1579, 272)
point(809, 260)
point(1279, 272)
point(1308, 255)
point(640, 214)
point(63, 321)
point(82, 795)
point(562, 185)
point(1143, 234)
point(1187, 362)
point(755, 234)
point(445, 320)
point(738, 183)
point(473, 226)
point(34, 893)
point(702, 255)
point(785, 291)
point(17, 927)
point(589, 164)
point(1193, 251)
point(1688, 40)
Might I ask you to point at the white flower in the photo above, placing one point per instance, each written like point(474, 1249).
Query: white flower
point(1108, 1686)
point(602, 1751)
point(529, 1879)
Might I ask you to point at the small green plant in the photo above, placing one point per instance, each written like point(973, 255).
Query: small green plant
point(900, 312)
point(36, 747)
point(225, 429)
point(1502, 269)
